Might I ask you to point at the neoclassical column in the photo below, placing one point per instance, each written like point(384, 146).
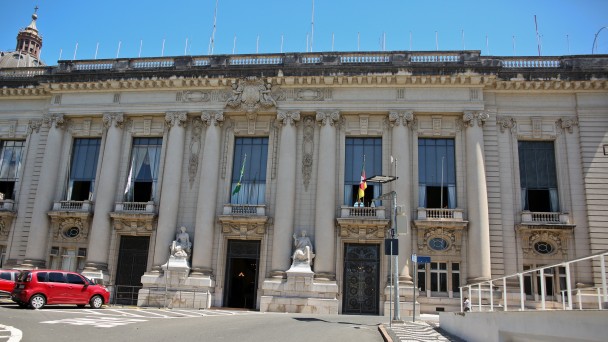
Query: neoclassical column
point(207, 194)
point(479, 267)
point(286, 194)
point(101, 228)
point(170, 189)
point(36, 250)
point(401, 149)
point(325, 206)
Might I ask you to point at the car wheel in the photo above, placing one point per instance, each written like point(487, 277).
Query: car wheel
point(37, 301)
point(96, 302)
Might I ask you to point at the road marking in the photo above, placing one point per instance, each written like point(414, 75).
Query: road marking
point(10, 334)
point(101, 322)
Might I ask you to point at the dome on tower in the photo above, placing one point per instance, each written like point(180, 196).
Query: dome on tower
point(27, 52)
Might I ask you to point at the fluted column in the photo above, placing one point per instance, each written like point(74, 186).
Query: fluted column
point(479, 267)
point(170, 189)
point(286, 194)
point(401, 149)
point(207, 194)
point(101, 229)
point(325, 205)
point(36, 250)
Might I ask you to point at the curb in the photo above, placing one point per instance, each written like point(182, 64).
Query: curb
point(385, 335)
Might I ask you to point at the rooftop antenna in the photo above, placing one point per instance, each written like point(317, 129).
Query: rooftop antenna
point(96, 49)
point(312, 25)
point(410, 41)
point(186, 47)
point(568, 43)
point(463, 45)
point(141, 43)
point(75, 49)
point(60, 53)
point(537, 36)
point(514, 53)
point(234, 45)
point(214, 27)
point(358, 41)
point(332, 41)
point(594, 47)
point(384, 42)
point(162, 51)
point(257, 44)
point(118, 50)
point(436, 41)
point(281, 43)
point(487, 45)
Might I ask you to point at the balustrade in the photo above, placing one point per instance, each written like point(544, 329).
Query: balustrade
point(72, 206)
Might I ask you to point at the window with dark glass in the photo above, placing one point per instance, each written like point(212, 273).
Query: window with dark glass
point(362, 154)
point(456, 278)
point(436, 173)
point(248, 185)
point(85, 153)
point(422, 277)
point(439, 277)
point(142, 179)
point(11, 152)
point(538, 176)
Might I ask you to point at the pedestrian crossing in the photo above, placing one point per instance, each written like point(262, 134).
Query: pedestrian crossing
point(109, 318)
point(419, 332)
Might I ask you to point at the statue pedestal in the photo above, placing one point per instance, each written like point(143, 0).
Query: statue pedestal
point(299, 293)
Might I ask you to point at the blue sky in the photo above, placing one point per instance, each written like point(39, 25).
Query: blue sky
point(565, 27)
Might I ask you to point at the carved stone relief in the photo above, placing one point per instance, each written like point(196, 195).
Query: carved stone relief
point(250, 95)
point(566, 124)
point(176, 118)
point(556, 237)
point(453, 237)
point(134, 225)
point(470, 118)
point(116, 118)
point(70, 228)
point(506, 122)
point(195, 148)
point(308, 145)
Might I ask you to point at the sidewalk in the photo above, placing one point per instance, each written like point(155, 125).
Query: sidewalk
point(426, 328)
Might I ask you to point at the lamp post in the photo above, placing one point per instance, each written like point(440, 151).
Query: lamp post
point(393, 232)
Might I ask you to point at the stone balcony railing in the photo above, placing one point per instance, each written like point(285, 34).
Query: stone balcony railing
point(7, 205)
point(530, 217)
point(83, 206)
point(438, 214)
point(363, 212)
point(135, 207)
point(244, 209)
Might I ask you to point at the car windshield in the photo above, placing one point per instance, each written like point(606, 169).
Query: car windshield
point(23, 275)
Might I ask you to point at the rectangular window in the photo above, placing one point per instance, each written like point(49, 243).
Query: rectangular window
point(439, 277)
point(142, 179)
point(538, 177)
point(436, 173)
point(456, 278)
point(11, 152)
point(422, 277)
point(362, 154)
point(2, 256)
point(85, 154)
point(248, 184)
point(527, 281)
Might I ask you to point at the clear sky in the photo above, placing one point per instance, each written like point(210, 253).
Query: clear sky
point(564, 26)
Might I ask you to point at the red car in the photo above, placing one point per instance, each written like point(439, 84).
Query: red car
point(36, 288)
point(7, 281)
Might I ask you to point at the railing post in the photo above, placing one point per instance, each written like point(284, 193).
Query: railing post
point(504, 293)
point(479, 297)
point(603, 265)
point(599, 299)
point(580, 299)
point(521, 291)
point(563, 300)
point(461, 298)
point(542, 288)
point(491, 297)
point(568, 286)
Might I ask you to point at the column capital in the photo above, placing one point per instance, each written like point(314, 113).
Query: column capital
point(176, 118)
point(57, 120)
point(34, 126)
point(326, 117)
point(288, 117)
point(405, 118)
point(470, 117)
point(212, 117)
point(117, 118)
point(567, 123)
point(506, 122)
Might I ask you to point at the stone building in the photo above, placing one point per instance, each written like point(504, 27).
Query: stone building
point(501, 166)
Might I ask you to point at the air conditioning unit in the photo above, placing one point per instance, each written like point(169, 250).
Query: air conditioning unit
point(54, 251)
point(82, 252)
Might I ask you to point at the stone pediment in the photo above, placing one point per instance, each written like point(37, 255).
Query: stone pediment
point(251, 95)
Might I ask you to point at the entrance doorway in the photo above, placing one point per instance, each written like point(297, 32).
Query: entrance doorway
point(361, 293)
point(241, 280)
point(132, 264)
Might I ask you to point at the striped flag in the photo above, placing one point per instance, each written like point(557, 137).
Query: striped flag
point(363, 183)
point(237, 188)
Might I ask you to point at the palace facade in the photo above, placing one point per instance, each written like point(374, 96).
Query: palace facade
point(501, 165)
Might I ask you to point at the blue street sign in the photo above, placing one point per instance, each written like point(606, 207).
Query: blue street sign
point(423, 259)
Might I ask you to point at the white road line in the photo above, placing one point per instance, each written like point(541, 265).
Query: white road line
point(123, 312)
point(14, 336)
point(185, 313)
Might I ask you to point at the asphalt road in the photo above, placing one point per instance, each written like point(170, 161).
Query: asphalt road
point(64, 323)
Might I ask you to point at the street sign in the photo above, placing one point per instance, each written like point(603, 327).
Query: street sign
point(391, 247)
point(421, 259)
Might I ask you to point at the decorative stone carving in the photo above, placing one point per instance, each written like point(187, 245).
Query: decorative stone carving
point(194, 96)
point(308, 145)
point(309, 95)
point(117, 118)
point(250, 95)
point(405, 118)
point(331, 118)
point(506, 122)
point(181, 247)
point(567, 124)
point(556, 235)
point(288, 117)
point(195, 147)
point(303, 252)
point(33, 126)
point(244, 230)
point(453, 237)
point(215, 118)
point(177, 267)
point(56, 120)
point(176, 118)
point(469, 118)
point(66, 228)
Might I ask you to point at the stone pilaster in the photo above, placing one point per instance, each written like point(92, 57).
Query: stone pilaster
point(479, 267)
point(101, 229)
point(325, 236)
point(207, 194)
point(286, 193)
point(36, 250)
point(401, 151)
point(170, 189)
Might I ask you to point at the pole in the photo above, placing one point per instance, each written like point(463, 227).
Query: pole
point(414, 289)
point(390, 289)
point(396, 313)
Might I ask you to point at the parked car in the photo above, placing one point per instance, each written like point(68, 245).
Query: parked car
point(36, 288)
point(7, 282)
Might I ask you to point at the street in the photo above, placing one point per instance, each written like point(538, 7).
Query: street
point(61, 323)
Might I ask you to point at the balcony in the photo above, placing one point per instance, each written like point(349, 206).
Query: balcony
point(76, 206)
point(7, 205)
point(544, 218)
point(8, 213)
point(362, 224)
point(363, 212)
point(134, 218)
point(244, 221)
point(135, 207)
point(438, 214)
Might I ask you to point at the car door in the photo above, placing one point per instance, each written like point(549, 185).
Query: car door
point(76, 289)
point(57, 288)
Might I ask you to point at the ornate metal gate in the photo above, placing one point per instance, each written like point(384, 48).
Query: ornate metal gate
point(132, 263)
point(361, 279)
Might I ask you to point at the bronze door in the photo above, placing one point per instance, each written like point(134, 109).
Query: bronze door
point(361, 279)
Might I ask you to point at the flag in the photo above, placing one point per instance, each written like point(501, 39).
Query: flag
point(237, 188)
point(362, 184)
